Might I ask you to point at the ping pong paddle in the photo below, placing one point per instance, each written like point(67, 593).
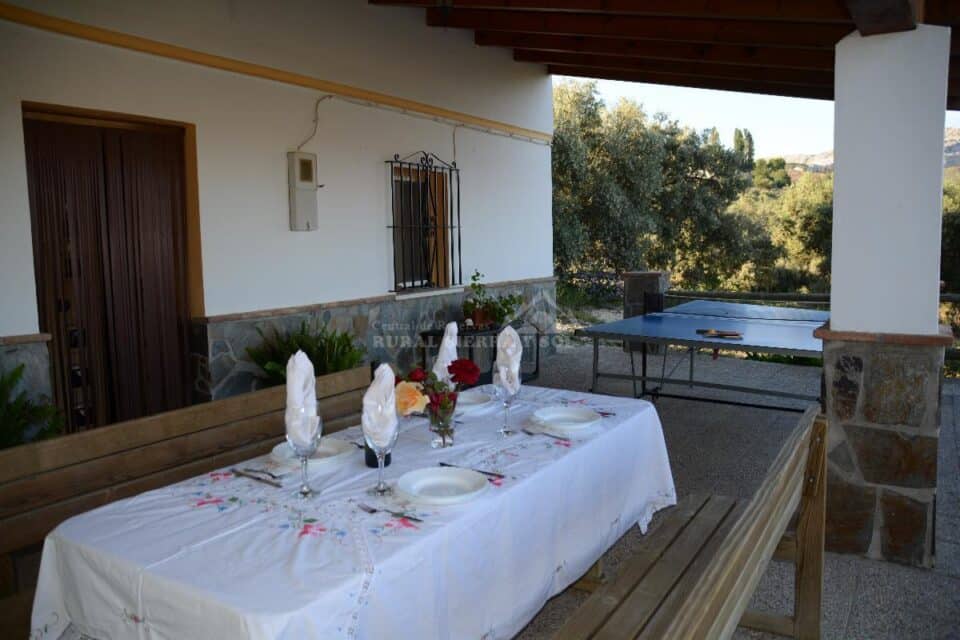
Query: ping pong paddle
point(717, 333)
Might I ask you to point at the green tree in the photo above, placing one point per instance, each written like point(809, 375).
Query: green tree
point(634, 191)
point(577, 133)
point(748, 147)
point(950, 236)
point(805, 228)
point(693, 238)
point(743, 147)
point(770, 174)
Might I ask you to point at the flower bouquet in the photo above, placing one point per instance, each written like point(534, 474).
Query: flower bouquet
point(419, 392)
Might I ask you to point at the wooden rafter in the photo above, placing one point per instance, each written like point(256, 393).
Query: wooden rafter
point(780, 57)
point(806, 77)
point(753, 33)
point(697, 82)
point(826, 11)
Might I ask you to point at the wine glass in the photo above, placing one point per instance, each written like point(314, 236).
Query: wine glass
point(507, 393)
point(381, 444)
point(303, 433)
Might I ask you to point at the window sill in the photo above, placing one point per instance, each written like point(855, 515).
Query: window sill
point(428, 293)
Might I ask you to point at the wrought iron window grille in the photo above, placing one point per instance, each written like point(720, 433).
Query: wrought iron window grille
point(425, 224)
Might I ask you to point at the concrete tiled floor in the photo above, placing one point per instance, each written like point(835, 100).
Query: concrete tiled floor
point(725, 449)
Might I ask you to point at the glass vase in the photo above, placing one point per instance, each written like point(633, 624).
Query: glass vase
point(441, 423)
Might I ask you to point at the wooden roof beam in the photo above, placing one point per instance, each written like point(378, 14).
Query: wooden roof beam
point(750, 33)
point(698, 82)
point(703, 69)
point(681, 51)
point(747, 84)
point(825, 11)
point(874, 17)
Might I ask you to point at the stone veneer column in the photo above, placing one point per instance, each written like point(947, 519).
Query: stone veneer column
point(635, 285)
point(883, 406)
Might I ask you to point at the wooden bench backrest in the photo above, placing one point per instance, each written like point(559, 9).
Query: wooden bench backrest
point(44, 483)
point(717, 602)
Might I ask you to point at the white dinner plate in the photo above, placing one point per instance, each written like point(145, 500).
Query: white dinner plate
point(468, 401)
point(330, 453)
point(564, 419)
point(441, 485)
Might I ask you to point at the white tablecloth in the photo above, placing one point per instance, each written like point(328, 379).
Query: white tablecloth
point(220, 556)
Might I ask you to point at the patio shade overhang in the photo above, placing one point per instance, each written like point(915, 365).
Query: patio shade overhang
point(755, 46)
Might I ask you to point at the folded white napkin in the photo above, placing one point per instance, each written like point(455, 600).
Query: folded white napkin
point(301, 418)
point(447, 352)
point(379, 417)
point(509, 354)
point(301, 383)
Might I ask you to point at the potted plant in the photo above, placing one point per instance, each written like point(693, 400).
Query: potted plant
point(484, 310)
point(328, 349)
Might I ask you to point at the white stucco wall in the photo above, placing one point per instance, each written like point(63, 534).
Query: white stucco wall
point(245, 126)
point(890, 96)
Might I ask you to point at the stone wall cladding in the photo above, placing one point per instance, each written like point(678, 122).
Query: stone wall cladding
point(389, 329)
point(883, 407)
point(35, 356)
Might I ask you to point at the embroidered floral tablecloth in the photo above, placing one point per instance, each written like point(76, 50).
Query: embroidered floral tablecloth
point(222, 556)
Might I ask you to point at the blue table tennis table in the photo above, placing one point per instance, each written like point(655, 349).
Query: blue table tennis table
point(762, 329)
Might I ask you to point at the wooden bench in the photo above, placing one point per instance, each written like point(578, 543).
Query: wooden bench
point(44, 483)
point(693, 576)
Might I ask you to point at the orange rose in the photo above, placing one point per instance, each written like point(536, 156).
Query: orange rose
point(410, 398)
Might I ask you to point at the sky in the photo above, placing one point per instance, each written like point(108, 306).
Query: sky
point(780, 126)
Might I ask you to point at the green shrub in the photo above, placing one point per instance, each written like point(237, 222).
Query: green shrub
point(328, 349)
point(21, 419)
point(497, 308)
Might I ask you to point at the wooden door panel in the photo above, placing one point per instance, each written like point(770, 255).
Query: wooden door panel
point(108, 213)
point(65, 179)
point(145, 284)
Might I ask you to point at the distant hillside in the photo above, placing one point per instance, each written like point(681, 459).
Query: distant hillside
point(824, 160)
point(951, 148)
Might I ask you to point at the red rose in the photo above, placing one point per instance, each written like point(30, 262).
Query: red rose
point(442, 400)
point(464, 371)
point(417, 375)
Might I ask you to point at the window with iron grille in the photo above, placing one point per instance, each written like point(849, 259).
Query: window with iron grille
point(425, 199)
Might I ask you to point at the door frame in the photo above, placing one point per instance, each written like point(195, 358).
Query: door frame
point(98, 118)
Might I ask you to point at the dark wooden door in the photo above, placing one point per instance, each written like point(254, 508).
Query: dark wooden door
point(107, 207)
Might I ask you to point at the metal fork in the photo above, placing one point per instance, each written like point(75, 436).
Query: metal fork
point(395, 514)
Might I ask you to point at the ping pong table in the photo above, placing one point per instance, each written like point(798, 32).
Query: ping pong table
point(759, 329)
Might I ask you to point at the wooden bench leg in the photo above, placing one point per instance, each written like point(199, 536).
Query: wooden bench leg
point(810, 539)
point(593, 579)
point(805, 550)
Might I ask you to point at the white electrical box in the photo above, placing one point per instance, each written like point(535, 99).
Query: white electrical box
point(302, 177)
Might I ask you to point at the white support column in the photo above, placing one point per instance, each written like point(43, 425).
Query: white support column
point(890, 97)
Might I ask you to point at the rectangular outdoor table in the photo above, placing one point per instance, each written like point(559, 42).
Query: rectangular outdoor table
point(764, 329)
point(221, 556)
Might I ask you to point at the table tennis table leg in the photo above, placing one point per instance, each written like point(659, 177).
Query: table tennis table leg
point(596, 361)
point(633, 371)
point(690, 386)
point(643, 368)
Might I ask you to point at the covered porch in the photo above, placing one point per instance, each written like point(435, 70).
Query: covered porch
point(339, 172)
